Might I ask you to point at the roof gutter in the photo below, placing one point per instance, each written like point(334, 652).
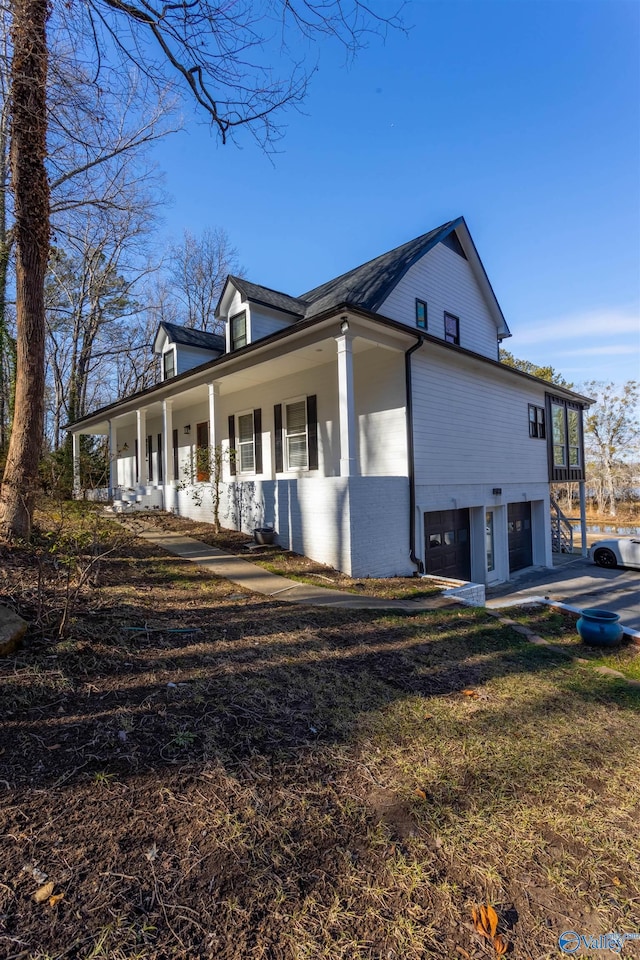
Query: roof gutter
point(410, 456)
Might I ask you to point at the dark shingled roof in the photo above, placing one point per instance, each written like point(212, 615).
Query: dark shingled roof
point(194, 338)
point(369, 285)
point(270, 298)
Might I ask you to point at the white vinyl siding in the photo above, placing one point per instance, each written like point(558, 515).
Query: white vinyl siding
point(471, 423)
point(264, 322)
point(189, 357)
point(446, 281)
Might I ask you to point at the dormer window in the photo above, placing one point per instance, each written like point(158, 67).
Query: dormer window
point(168, 364)
point(238, 330)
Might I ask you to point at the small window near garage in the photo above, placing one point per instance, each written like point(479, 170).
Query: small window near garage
point(451, 328)
point(239, 330)
point(421, 314)
point(536, 422)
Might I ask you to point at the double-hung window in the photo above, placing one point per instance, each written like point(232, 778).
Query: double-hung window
point(451, 328)
point(168, 364)
point(295, 431)
point(559, 434)
point(245, 444)
point(239, 330)
point(536, 422)
point(295, 425)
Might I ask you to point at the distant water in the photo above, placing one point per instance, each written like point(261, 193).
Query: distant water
point(613, 529)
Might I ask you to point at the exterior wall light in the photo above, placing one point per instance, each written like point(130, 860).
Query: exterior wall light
point(187, 429)
point(344, 326)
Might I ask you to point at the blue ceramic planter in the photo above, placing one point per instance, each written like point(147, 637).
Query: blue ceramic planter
point(601, 628)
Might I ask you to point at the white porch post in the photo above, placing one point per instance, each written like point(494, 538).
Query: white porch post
point(346, 400)
point(169, 493)
point(75, 439)
point(167, 446)
point(143, 473)
point(214, 393)
point(583, 517)
point(113, 459)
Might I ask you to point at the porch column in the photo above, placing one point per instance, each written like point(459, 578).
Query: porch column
point(113, 459)
point(214, 394)
point(167, 446)
point(169, 493)
point(583, 516)
point(346, 400)
point(75, 441)
point(143, 473)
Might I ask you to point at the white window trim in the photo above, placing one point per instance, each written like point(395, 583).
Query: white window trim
point(285, 434)
point(252, 471)
point(247, 327)
point(171, 350)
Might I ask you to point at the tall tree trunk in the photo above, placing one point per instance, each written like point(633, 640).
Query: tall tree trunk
point(31, 202)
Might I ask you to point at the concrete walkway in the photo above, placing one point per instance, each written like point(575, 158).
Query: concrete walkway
point(252, 577)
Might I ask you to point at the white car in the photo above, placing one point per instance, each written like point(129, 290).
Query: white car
point(616, 552)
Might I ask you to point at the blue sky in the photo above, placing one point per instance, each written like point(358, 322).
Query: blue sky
point(522, 116)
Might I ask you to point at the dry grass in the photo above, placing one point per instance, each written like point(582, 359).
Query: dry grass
point(294, 783)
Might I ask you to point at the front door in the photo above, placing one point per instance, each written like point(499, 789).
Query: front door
point(519, 530)
point(447, 547)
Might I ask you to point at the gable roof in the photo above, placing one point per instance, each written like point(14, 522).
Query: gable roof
point(190, 337)
point(267, 297)
point(369, 285)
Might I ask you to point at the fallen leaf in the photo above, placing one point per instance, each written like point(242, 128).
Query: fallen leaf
point(420, 793)
point(56, 898)
point(617, 881)
point(43, 893)
point(469, 693)
point(463, 952)
point(500, 945)
point(493, 920)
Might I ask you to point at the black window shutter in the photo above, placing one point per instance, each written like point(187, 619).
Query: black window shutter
point(257, 438)
point(232, 445)
point(312, 431)
point(160, 458)
point(176, 465)
point(137, 463)
point(277, 429)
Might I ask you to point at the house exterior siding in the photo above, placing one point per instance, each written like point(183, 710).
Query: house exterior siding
point(446, 282)
point(265, 322)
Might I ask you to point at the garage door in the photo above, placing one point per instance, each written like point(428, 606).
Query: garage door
point(519, 527)
point(446, 538)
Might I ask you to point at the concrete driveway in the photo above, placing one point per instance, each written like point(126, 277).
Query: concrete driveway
point(579, 583)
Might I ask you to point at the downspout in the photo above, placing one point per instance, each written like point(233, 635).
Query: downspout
point(410, 456)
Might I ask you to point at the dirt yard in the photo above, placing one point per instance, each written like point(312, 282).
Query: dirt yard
point(190, 771)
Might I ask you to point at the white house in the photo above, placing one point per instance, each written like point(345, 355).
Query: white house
point(369, 421)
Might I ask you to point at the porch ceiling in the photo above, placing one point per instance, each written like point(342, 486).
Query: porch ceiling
point(316, 348)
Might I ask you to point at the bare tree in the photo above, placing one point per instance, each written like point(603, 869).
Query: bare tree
point(199, 267)
point(612, 432)
point(217, 53)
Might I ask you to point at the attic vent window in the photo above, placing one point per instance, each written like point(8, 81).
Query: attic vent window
point(451, 241)
point(239, 330)
point(421, 314)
